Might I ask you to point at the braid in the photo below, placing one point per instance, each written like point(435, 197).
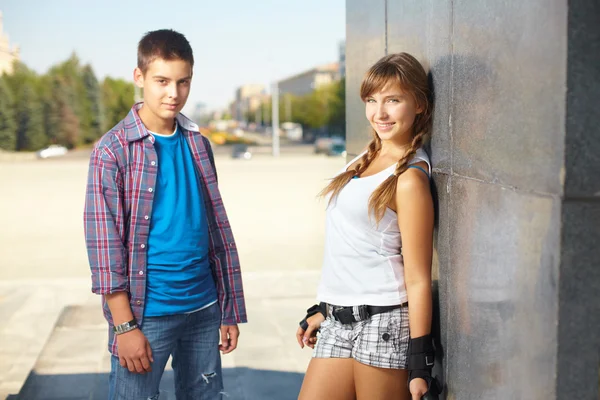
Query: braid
point(338, 183)
point(369, 156)
point(383, 195)
point(402, 165)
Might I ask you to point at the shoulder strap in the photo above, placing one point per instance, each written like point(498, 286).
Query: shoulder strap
point(418, 167)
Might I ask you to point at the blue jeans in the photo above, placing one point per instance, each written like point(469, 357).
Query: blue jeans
point(193, 341)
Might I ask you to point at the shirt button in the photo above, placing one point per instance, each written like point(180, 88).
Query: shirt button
point(146, 217)
point(231, 244)
point(153, 163)
point(138, 302)
point(143, 246)
point(150, 190)
point(141, 272)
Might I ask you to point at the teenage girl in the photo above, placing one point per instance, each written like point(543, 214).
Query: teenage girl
point(374, 316)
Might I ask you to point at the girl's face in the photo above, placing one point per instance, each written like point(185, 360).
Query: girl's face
point(392, 112)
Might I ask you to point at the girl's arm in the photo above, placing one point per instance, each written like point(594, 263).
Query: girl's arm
point(414, 207)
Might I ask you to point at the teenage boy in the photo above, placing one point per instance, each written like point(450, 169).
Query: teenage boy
point(161, 250)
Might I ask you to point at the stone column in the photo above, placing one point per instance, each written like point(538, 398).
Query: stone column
point(516, 155)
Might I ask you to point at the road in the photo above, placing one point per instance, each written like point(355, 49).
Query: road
point(277, 220)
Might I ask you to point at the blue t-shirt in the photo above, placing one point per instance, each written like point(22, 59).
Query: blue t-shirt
point(179, 278)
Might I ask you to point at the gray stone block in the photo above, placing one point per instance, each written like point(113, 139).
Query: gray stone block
point(508, 93)
point(420, 36)
point(365, 44)
point(579, 302)
point(582, 159)
point(502, 296)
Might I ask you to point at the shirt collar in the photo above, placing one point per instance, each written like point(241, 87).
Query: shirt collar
point(135, 129)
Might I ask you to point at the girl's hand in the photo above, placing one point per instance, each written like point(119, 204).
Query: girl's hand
point(418, 387)
point(309, 337)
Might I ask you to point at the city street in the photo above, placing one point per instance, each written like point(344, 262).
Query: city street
point(278, 223)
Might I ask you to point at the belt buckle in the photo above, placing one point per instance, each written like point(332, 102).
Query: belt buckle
point(363, 312)
point(334, 310)
point(343, 315)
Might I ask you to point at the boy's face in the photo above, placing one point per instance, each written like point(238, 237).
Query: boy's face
point(166, 86)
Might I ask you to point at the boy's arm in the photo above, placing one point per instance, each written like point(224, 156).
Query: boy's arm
point(104, 220)
point(120, 309)
point(227, 266)
point(211, 156)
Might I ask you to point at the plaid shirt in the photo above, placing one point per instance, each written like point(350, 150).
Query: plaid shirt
point(118, 206)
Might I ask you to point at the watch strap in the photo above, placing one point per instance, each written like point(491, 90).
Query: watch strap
point(125, 327)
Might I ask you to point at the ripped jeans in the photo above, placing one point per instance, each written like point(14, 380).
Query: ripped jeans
point(193, 341)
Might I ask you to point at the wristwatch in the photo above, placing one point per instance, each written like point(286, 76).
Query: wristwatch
point(125, 327)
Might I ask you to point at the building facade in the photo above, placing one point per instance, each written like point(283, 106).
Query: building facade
point(8, 54)
point(307, 81)
point(248, 99)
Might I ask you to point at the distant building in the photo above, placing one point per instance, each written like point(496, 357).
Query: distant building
point(247, 99)
point(8, 55)
point(307, 81)
point(232, 108)
point(200, 109)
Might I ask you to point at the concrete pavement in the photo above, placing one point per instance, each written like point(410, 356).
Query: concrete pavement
point(278, 224)
point(75, 349)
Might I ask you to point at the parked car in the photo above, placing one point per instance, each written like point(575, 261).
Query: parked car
point(241, 151)
point(324, 144)
point(337, 149)
point(54, 150)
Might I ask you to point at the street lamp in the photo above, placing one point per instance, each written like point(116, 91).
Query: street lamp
point(275, 118)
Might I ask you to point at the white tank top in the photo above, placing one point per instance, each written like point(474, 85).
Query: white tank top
point(362, 262)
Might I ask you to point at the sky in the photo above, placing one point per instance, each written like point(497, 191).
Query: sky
point(235, 42)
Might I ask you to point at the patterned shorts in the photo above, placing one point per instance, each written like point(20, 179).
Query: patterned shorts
point(379, 341)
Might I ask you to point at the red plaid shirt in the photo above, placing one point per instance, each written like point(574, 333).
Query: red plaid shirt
point(118, 206)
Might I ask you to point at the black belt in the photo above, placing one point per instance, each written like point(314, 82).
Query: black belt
point(348, 315)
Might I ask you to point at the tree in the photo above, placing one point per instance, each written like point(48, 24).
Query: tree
point(69, 126)
point(28, 114)
point(67, 105)
point(69, 73)
point(8, 126)
point(30, 120)
point(323, 108)
point(92, 123)
point(117, 97)
point(337, 117)
point(62, 124)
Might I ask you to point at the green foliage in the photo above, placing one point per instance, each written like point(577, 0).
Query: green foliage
point(67, 105)
point(30, 119)
point(117, 97)
point(62, 122)
point(323, 107)
point(93, 110)
point(8, 126)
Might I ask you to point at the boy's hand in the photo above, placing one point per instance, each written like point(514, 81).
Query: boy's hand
point(134, 350)
point(229, 338)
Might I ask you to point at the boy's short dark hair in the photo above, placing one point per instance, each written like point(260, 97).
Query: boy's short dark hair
point(166, 44)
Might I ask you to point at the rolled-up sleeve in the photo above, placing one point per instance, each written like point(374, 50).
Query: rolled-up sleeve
point(104, 225)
